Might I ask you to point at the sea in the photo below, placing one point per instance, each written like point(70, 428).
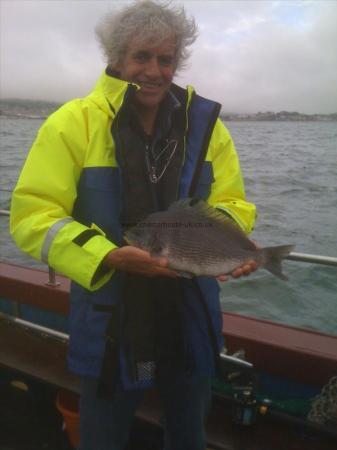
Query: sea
point(290, 172)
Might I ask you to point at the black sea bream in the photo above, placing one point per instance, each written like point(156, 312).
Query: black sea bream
point(198, 239)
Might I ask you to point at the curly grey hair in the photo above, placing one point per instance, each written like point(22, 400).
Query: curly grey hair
point(150, 21)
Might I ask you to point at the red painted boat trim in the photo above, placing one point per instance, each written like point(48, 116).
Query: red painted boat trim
point(303, 355)
point(28, 286)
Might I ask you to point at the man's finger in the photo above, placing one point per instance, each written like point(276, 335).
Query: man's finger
point(237, 272)
point(162, 262)
point(222, 278)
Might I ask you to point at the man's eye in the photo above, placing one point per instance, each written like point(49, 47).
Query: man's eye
point(165, 60)
point(141, 57)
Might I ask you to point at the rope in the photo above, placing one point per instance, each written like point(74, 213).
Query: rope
point(324, 405)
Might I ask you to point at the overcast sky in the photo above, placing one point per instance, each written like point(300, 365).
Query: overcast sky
point(250, 55)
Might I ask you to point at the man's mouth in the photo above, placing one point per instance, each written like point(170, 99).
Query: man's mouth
point(149, 86)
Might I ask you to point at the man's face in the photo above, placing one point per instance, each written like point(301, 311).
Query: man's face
point(152, 68)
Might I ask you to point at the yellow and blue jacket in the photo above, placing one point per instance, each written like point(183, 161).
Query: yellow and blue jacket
point(66, 205)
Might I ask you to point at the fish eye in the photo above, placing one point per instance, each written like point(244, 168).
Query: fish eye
point(156, 247)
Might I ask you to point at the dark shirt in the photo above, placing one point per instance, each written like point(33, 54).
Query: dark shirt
point(152, 163)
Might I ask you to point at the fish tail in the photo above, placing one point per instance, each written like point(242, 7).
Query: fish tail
point(273, 258)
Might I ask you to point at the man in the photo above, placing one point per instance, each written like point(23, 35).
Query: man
point(100, 164)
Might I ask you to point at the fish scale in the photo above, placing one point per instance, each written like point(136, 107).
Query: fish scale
point(201, 240)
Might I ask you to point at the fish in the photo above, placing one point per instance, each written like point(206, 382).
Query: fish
point(200, 240)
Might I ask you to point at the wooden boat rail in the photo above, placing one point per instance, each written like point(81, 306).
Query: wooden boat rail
point(39, 354)
point(297, 349)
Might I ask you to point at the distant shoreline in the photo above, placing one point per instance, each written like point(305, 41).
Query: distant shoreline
point(282, 116)
point(39, 109)
point(225, 118)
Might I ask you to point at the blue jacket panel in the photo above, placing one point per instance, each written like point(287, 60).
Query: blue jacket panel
point(99, 201)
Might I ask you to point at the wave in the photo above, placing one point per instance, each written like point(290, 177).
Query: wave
point(23, 116)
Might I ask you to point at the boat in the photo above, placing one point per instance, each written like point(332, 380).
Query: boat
point(275, 376)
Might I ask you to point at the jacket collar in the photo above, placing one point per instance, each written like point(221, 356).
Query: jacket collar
point(109, 92)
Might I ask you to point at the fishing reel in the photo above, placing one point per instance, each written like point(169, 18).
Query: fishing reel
point(242, 379)
point(247, 406)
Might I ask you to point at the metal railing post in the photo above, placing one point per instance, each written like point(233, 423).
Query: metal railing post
point(52, 278)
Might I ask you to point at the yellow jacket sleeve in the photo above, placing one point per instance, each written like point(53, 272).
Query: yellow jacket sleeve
point(41, 220)
point(227, 192)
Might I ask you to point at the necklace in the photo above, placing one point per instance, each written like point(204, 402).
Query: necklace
point(170, 148)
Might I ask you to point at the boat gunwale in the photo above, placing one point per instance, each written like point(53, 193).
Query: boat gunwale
point(272, 347)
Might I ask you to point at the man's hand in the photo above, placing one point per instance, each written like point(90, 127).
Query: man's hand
point(133, 259)
point(245, 270)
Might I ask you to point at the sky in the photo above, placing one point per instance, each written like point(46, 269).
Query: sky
point(250, 55)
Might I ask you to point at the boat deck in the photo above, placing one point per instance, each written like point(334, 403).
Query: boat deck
point(25, 428)
point(21, 347)
point(265, 435)
point(40, 361)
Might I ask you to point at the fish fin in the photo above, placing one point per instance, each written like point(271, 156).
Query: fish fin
point(228, 223)
point(203, 210)
point(273, 259)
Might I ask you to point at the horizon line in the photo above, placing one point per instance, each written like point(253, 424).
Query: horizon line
point(60, 103)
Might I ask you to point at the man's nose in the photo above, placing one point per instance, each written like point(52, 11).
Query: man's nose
point(152, 68)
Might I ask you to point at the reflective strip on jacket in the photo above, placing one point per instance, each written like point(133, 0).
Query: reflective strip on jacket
point(65, 211)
